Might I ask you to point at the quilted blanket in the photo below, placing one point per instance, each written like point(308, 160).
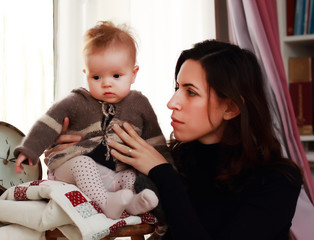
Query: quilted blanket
point(30, 209)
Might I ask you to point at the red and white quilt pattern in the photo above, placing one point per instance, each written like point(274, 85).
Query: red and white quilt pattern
point(85, 214)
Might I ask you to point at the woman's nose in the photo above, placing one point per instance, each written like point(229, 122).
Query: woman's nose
point(173, 103)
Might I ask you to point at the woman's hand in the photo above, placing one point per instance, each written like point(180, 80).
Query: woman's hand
point(139, 154)
point(64, 141)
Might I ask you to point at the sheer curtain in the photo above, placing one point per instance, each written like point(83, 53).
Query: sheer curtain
point(254, 26)
point(162, 29)
point(26, 60)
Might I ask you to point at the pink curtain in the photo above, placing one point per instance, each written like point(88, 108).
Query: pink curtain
point(253, 25)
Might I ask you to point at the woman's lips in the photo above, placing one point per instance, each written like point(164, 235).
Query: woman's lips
point(175, 122)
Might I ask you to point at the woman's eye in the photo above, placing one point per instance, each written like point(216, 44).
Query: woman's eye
point(116, 75)
point(96, 77)
point(191, 93)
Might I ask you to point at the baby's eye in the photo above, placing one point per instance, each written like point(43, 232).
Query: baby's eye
point(96, 77)
point(116, 75)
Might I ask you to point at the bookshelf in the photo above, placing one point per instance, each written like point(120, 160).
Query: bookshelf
point(292, 46)
point(295, 46)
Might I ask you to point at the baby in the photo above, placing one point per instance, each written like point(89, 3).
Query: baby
point(110, 66)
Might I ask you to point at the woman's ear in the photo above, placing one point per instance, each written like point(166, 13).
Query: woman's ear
point(232, 110)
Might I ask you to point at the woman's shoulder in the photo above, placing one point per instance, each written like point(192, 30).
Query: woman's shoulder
point(275, 190)
point(279, 177)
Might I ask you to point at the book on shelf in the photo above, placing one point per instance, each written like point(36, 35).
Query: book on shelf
point(301, 92)
point(311, 18)
point(290, 8)
point(300, 17)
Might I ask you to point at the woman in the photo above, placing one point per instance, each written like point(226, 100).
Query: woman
point(232, 180)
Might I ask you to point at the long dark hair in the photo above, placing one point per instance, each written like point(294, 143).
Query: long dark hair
point(235, 73)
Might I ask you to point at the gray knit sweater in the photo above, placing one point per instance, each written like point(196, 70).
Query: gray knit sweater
point(87, 119)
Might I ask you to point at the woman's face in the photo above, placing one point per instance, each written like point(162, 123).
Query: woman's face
point(197, 112)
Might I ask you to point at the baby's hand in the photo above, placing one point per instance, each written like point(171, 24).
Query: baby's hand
point(18, 163)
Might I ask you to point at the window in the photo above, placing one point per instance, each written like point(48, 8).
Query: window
point(26, 60)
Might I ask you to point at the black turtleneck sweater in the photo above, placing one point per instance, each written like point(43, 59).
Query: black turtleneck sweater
point(196, 208)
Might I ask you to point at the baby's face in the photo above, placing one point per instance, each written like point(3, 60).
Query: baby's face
point(110, 72)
